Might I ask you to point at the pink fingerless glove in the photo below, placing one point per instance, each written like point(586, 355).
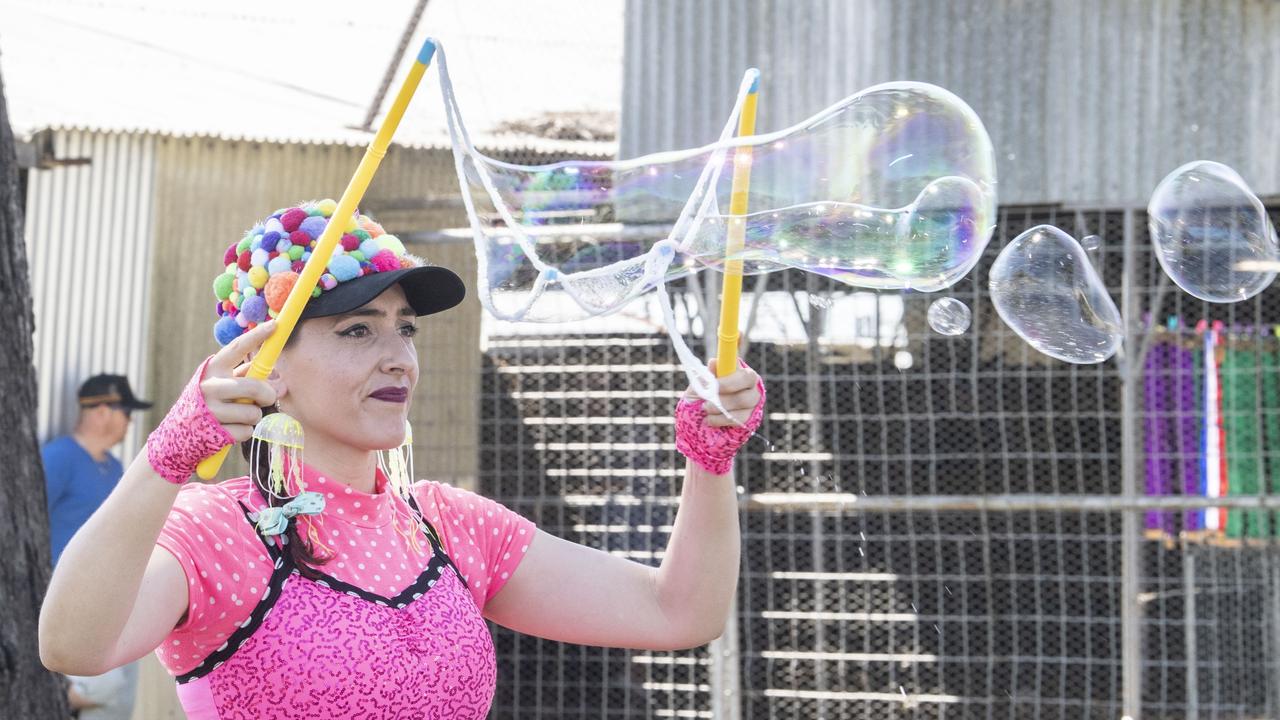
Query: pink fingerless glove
point(713, 448)
point(187, 435)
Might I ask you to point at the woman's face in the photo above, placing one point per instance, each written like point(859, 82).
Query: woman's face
point(349, 378)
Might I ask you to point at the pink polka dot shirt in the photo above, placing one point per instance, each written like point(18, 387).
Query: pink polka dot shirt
point(227, 567)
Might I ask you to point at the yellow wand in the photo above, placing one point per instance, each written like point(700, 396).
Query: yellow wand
point(266, 358)
point(735, 240)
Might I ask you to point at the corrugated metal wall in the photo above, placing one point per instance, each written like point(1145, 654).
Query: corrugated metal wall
point(1086, 101)
point(89, 232)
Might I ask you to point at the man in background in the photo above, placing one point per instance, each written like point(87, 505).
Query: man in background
point(80, 472)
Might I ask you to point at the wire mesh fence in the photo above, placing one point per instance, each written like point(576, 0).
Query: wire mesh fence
point(934, 527)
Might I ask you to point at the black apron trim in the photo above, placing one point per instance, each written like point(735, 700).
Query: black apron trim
point(284, 569)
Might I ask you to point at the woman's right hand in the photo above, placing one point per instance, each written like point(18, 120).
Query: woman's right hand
point(225, 387)
point(219, 407)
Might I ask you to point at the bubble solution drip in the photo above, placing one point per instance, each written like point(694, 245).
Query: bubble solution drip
point(1211, 233)
point(1046, 290)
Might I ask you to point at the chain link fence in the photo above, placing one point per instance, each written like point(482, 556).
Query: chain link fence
point(934, 527)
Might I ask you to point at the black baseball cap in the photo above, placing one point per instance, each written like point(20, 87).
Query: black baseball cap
point(110, 390)
point(428, 288)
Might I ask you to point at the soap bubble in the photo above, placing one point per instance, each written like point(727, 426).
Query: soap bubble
point(891, 188)
point(949, 316)
point(1211, 234)
point(1044, 287)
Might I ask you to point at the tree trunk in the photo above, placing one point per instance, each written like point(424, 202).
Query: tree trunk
point(27, 689)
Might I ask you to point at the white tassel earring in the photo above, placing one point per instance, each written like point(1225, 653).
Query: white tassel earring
point(280, 437)
point(397, 466)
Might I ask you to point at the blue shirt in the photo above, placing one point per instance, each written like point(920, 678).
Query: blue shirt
point(76, 485)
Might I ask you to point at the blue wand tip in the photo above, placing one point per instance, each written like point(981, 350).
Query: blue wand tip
point(427, 52)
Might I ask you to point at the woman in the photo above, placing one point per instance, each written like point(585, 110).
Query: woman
point(339, 596)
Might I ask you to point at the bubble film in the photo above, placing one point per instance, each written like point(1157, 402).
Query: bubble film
point(949, 316)
point(1044, 288)
point(891, 188)
point(1211, 234)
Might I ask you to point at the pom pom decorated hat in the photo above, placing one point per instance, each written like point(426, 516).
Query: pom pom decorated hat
point(262, 268)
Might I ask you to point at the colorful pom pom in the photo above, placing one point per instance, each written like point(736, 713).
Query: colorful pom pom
point(241, 320)
point(406, 262)
point(359, 256)
point(313, 226)
point(328, 281)
point(350, 242)
point(250, 292)
point(352, 224)
point(371, 227)
point(258, 277)
point(278, 287)
point(292, 218)
point(222, 285)
point(344, 267)
point(244, 244)
point(362, 234)
point(259, 258)
point(369, 248)
point(297, 266)
point(298, 238)
point(242, 261)
point(273, 225)
point(254, 309)
point(226, 330)
point(230, 255)
point(315, 291)
point(279, 264)
point(327, 206)
point(392, 243)
point(270, 241)
point(235, 299)
point(385, 261)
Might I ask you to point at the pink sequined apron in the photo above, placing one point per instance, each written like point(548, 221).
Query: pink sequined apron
point(326, 649)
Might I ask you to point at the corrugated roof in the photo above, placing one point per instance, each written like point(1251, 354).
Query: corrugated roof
point(304, 70)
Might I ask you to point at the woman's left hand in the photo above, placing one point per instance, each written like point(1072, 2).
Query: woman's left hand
point(739, 394)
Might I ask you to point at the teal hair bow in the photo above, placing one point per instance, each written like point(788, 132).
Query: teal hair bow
point(275, 520)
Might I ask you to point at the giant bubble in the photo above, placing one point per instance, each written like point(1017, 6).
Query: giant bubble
point(890, 188)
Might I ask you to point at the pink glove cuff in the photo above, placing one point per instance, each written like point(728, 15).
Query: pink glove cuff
point(187, 435)
point(713, 448)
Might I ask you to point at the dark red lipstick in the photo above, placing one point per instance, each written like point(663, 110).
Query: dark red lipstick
point(391, 394)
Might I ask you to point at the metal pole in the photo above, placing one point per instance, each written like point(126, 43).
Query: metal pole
point(813, 401)
point(726, 702)
point(1131, 526)
point(1273, 604)
point(1011, 503)
point(1189, 633)
point(725, 683)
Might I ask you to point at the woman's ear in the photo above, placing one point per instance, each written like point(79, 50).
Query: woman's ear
point(278, 384)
